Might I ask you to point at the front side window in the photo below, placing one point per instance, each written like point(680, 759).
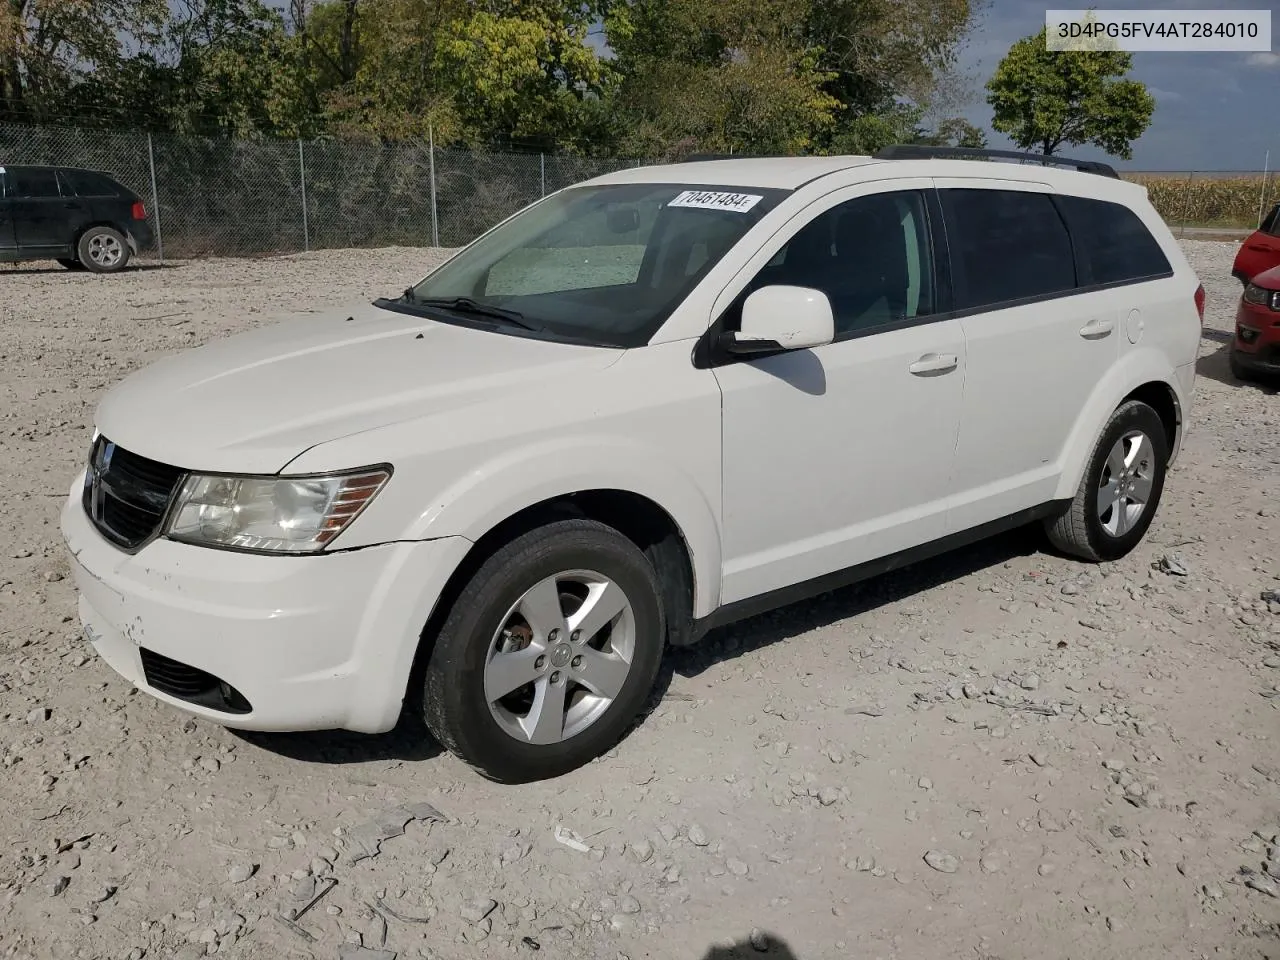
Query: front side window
point(32, 183)
point(1271, 224)
point(604, 264)
point(870, 256)
point(1008, 245)
point(1114, 245)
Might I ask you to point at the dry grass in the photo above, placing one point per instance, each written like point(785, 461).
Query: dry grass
point(1210, 200)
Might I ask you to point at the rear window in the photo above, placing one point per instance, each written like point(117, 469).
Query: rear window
point(85, 183)
point(32, 183)
point(1113, 244)
point(1007, 245)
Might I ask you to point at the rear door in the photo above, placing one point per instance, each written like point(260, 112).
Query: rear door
point(1035, 349)
point(7, 239)
point(78, 211)
point(39, 212)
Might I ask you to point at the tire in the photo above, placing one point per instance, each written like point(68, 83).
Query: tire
point(486, 644)
point(71, 264)
point(1239, 370)
point(1088, 529)
point(103, 250)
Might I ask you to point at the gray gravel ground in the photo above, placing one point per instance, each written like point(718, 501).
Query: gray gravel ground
point(998, 754)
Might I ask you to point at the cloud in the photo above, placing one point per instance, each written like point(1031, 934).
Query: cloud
point(1267, 61)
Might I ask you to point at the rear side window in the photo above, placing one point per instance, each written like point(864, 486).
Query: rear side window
point(1006, 245)
point(1113, 244)
point(32, 183)
point(85, 183)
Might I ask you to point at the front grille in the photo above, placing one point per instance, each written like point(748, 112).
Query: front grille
point(190, 683)
point(125, 495)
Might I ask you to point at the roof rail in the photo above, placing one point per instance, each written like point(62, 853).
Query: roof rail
point(917, 151)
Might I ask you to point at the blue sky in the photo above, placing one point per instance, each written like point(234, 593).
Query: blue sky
point(1214, 111)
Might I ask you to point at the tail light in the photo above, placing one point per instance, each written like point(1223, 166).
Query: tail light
point(139, 211)
point(1200, 302)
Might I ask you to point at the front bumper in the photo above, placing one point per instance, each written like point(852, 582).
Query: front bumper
point(1257, 338)
point(311, 643)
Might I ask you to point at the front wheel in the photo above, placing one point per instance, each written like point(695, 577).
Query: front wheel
point(548, 653)
point(1120, 490)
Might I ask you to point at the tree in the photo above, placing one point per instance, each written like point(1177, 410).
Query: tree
point(885, 60)
point(954, 132)
point(1044, 99)
point(787, 76)
point(736, 76)
point(50, 47)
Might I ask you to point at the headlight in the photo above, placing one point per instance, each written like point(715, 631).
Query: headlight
point(1260, 295)
point(271, 514)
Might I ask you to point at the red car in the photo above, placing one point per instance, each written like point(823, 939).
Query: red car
point(1260, 250)
point(1256, 349)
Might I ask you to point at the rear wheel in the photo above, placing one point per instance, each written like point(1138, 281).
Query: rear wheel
point(71, 264)
point(1120, 490)
point(548, 653)
point(103, 250)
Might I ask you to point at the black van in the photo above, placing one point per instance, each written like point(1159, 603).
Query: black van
point(80, 218)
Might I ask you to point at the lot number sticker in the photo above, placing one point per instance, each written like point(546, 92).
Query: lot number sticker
point(712, 200)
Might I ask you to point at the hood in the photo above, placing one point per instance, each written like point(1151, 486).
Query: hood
point(1268, 279)
point(252, 402)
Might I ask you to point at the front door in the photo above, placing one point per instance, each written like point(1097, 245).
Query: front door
point(7, 238)
point(842, 454)
point(40, 214)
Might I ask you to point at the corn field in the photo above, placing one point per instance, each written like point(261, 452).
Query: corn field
point(1210, 199)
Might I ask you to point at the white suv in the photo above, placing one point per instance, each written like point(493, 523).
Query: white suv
point(647, 405)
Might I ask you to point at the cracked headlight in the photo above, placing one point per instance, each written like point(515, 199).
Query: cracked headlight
point(271, 514)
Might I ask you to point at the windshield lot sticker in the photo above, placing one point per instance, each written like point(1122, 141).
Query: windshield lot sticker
point(711, 200)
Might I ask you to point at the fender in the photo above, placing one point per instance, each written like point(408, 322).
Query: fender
point(1139, 367)
point(477, 502)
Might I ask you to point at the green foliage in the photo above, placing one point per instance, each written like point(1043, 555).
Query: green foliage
point(739, 76)
point(1045, 98)
point(954, 132)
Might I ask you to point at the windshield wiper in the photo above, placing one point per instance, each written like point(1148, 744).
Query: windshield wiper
point(473, 307)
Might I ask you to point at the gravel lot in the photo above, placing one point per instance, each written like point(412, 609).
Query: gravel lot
point(855, 777)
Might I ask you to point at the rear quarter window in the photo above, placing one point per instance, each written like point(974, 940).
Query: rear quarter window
point(1006, 245)
point(85, 183)
point(1112, 243)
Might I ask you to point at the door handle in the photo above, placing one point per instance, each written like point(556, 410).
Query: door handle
point(934, 364)
point(1097, 329)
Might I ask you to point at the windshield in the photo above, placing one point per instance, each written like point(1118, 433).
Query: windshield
point(603, 264)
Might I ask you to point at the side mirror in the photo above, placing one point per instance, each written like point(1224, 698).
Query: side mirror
point(782, 318)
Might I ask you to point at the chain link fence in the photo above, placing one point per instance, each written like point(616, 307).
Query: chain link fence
point(220, 197)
